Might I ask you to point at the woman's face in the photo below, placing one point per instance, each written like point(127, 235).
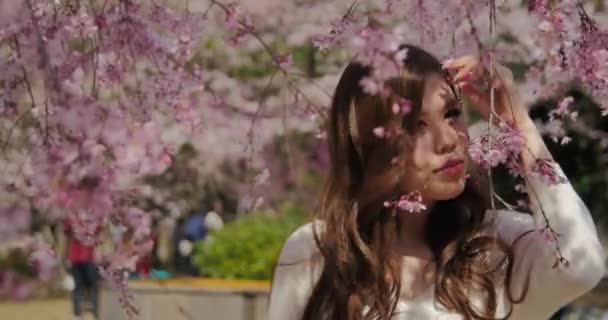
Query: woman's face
point(436, 165)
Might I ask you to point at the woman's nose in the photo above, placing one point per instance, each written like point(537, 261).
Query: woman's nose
point(445, 139)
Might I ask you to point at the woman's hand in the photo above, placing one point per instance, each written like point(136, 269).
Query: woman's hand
point(474, 80)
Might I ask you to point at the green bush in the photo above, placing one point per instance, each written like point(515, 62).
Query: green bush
point(248, 247)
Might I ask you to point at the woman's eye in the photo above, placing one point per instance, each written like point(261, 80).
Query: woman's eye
point(453, 113)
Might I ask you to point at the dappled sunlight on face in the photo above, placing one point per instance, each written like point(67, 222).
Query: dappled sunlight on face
point(436, 163)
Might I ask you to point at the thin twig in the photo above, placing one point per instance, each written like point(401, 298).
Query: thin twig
point(554, 233)
point(305, 77)
point(31, 95)
point(492, 91)
point(50, 76)
point(474, 31)
point(12, 128)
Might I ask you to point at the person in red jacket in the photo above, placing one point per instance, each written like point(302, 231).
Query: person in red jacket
point(81, 259)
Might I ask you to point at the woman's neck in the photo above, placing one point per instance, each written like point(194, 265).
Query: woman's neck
point(412, 234)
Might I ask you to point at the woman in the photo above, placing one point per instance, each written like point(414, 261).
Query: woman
point(365, 259)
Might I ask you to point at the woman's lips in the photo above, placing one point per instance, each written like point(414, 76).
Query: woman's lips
point(452, 168)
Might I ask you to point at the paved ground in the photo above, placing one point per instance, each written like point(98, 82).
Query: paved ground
point(60, 309)
point(54, 309)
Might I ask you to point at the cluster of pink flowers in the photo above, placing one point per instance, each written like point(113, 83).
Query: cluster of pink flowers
point(387, 133)
point(341, 29)
point(573, 47)
point(557, 119)
point(107, 77)
point(284, 62)
point(28, 256)
point(14, 286)
point(402, 106)
point(563, 109)
point(411, 202)
point(502, 147)
point(117, 278)
point(237, 23)
point(545, 170)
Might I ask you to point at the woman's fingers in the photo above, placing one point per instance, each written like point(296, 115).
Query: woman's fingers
point(458, 63)
point(476, 83)
point(470, 70)
point(467, 68)
point(466, 73)
point(479, 99)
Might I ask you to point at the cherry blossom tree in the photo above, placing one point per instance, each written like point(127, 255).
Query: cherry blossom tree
point(96, 95)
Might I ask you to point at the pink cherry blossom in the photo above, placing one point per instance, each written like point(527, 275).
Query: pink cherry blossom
point(501, 148)
point(44, 260)
point(237, 23)
point(81, 24)
point(117, 278)
point(545, 170)
point(402, 106)
point(563, 109)
point(380, 132)
point(370, 86)
point(546, 235)
point(411, 202)
point(341, 28)
point(284, 62)
point(263, 177)
point(22, 290)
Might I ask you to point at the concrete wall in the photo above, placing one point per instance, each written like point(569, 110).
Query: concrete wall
point(189, 300)
point(202, 299)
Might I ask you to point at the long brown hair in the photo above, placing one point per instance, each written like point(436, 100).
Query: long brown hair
point(361, 275)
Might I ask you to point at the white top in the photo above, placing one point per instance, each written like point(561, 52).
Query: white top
point(549, 288)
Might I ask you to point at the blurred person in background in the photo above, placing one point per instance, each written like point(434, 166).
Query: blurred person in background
point(81, 264)
point(145, 264)
point(214, 218)
point(192, 230)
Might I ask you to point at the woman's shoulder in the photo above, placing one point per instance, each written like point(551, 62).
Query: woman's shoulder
point(301, 244)
point(295, 274)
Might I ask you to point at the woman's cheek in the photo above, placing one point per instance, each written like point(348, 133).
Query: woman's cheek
point(422, 160)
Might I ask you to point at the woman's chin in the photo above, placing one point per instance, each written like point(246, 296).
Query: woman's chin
point(446, 190)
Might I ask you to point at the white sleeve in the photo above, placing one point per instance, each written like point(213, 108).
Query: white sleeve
point(551, 288)
point(295, 275)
